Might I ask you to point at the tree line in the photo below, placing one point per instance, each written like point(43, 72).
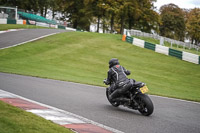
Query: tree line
point(117, 15)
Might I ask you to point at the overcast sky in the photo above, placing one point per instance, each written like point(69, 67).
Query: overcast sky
point(188, 4)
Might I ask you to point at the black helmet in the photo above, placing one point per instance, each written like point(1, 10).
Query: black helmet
point(113, 62)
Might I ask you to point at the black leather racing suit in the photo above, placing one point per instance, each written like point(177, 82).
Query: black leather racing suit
point(118, 75)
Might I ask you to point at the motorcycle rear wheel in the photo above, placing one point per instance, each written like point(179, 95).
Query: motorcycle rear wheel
point(145, 104)
point(115, 104)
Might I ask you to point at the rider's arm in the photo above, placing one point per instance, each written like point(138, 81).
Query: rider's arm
point(108, 80)
point(127, 72)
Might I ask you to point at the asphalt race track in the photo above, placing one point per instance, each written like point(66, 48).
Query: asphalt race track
point(170, 116)
point(15, 37)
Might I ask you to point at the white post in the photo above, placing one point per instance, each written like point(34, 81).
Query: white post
point(16, 13)
point(161, 41)
point(124, 31)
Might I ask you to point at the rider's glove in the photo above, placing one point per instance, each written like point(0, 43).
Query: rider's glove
point(105, 82)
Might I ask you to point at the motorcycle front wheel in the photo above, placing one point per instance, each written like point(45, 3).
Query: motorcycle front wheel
point(115, 104)
point(145, 104)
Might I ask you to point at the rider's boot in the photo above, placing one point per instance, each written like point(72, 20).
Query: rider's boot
point(114, 95)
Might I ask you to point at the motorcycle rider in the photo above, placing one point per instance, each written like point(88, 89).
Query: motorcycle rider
point(117, 78)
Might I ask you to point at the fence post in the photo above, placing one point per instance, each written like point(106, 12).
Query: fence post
point(16, 13)
point(161, 41)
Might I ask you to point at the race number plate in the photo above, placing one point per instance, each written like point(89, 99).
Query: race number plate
point(144, 89)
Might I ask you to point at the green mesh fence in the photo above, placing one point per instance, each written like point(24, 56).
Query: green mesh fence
point(35, 17)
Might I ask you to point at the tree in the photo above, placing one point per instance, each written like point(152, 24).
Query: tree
point(43, 6)
point(78, 12)
point(11, 3)
point(109, 8)
point(54, 6)
point(147, 19)
point(172, 22)
point(97, 7)
point(116, 14)
point(112, 12)
point(133, 13)
point(138, 14)
point(122, 14)
point(193, 25)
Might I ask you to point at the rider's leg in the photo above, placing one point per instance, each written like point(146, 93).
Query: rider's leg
point(120, 91)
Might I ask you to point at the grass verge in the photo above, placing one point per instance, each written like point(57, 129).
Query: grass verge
point(15, 120)
point(83, 57)
point(19, 26)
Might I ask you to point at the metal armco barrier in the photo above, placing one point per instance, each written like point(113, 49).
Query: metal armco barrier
point(175, 53)
point(129, 39)
point(30, 22)
point(162, 49)
point(138, 42)
point(155, 36)
point(193, 58)
point(190, 57)
point(149, 46)
point(61, 27)
point(11, 21)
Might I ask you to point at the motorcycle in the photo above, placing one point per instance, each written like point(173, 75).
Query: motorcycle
point(138, 99)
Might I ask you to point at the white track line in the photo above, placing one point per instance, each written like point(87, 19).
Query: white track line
point(175, 99)
point(5, 31)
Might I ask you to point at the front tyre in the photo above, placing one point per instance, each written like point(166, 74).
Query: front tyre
point(115, 104)
point(145, 104)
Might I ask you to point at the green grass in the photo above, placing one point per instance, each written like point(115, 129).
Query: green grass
point(83, 57)
point(15, 120)
point(167, 44)
point(19, 26)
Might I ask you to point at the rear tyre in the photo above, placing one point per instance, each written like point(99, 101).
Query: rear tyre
point(115, 104)
point(145, 104)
